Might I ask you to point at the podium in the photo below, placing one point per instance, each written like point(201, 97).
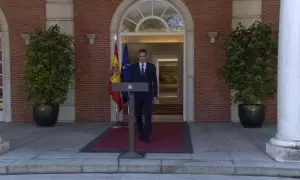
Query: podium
point(131, 88)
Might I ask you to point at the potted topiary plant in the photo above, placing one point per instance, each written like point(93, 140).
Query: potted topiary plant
point(48, 74)
point(250, 69)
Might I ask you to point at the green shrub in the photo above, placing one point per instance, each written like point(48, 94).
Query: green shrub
point(49, 66)
point(251, 64)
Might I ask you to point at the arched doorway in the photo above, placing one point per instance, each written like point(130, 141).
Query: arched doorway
point(5, 88)
point(159, 18)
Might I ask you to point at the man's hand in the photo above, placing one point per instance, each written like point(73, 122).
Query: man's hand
point(155, 100)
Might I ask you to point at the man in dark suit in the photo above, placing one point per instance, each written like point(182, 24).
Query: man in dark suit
point(144, 71)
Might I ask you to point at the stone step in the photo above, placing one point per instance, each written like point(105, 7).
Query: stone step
point(37, 166)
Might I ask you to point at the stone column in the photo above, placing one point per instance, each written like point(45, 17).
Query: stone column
point(285, 146)
point(4, 146)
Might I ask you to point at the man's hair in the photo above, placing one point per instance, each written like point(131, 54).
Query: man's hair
point(143, 51)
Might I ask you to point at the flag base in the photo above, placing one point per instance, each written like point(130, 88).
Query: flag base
point(117, 125)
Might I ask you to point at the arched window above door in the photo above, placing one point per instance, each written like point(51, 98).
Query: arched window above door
point(152, 16)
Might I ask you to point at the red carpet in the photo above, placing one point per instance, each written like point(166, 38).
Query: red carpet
point(167, 137)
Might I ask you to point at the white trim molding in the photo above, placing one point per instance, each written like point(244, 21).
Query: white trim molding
point(188, 72)
point(163, 3)
point(137, 29)
point(61, 12)
point(6, 78)
point(245, 12)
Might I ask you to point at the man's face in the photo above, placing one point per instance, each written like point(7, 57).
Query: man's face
point(142, 57)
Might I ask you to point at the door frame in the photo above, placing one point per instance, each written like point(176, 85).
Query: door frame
point(6, 73)
point(188, 59)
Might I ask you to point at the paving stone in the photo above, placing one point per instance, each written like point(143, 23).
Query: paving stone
point(222, 142)
point(139, 165)
point(197, 167)
point(51, 147)
point(44, 166)
point(253, 156)
point(42, 144)
point(99, 176)
point(204, 149)
point(267, 168)
point(228, 177)
point(100, 165)
point(213, 156)
point(97, 155)
point(175, 177)
point(57, 155)
point(19, 155)
point(72, 147)
point(141, 177)
point(4, 164)
point(26, 149)
point(161, 156)
point(236, 148)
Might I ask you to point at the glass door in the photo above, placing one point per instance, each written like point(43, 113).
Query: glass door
point(168, 80)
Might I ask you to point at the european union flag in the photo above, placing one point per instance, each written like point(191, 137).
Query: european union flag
point(126, 71)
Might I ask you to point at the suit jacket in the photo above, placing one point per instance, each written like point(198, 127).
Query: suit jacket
point(149, 76)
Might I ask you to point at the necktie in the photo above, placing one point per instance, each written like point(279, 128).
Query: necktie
point(143, 69)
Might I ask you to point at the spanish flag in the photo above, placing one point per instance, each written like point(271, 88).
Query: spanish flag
point(115, 77)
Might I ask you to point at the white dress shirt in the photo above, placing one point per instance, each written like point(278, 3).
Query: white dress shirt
point(141, 65)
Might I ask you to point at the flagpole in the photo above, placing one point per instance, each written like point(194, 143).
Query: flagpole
point(128, 109)
point(117, 121)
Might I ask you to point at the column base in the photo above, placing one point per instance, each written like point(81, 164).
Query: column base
point(4, 147)
point(283, 154)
